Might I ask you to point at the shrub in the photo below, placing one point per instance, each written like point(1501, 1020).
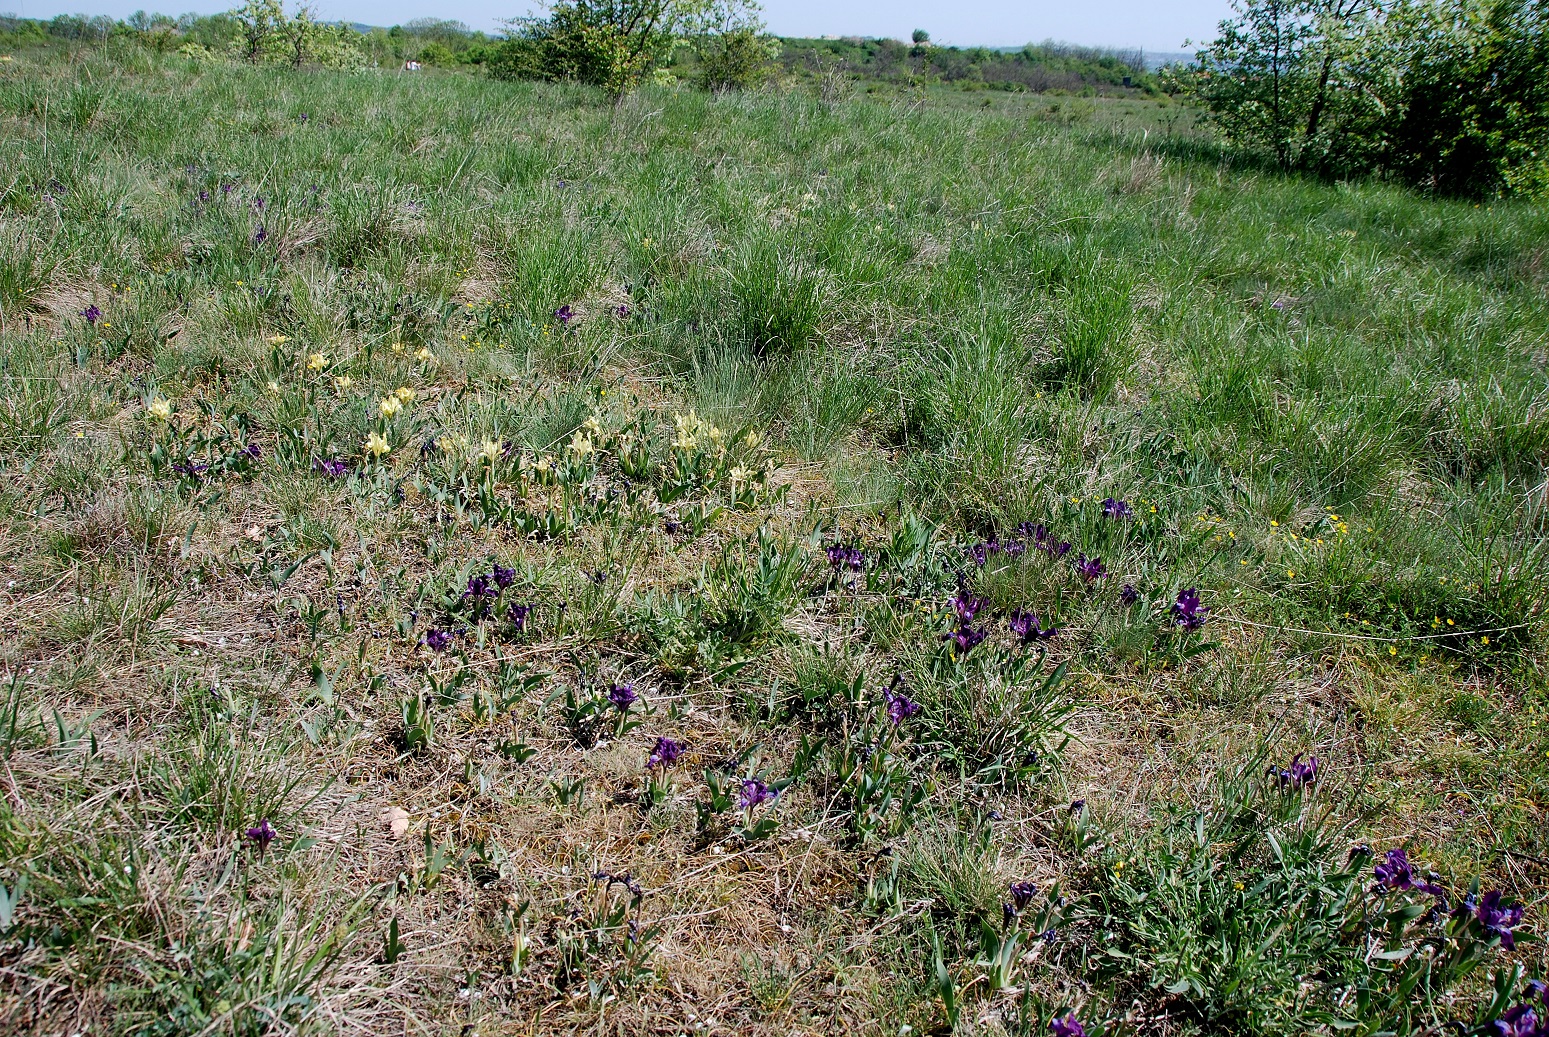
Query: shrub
point(736, 59)
point(1448, 97)
point(615, 46)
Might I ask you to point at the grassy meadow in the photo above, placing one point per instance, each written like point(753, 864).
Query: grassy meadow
point(479, 559)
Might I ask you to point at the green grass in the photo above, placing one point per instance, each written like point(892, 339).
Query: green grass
point(905, 322)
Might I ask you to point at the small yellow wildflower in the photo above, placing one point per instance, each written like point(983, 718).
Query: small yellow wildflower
point(273, 386)
point(397, 347)
point(278, 340)
point(316, 362)
point(489, 450)
point(580, 445)
point(1484, 640)
point(1291, 573)
point(750, 440)
point(592, 425)
point(344, 381)
point(424, 355)
point(1392, 650)
point(404, 394)
point(739, 474)
point(159, 409)
point(376, 444)
point(1272, 522)
point(390, 406)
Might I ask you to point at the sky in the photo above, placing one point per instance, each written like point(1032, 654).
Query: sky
point(1156, 25)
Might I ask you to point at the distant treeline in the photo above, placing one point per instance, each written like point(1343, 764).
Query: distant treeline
point(1036, 67)
point(1040, 67)
point(430, 41)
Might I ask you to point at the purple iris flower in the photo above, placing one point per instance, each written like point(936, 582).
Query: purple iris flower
point(502, 576)
point(755, 791)
point(1014, 548)
point(966, 638)
point(1067, 1027)
point(263, 834)
point(252, 451)
point(1117, 509)
point(665, 753)
point(1022, 894)
point(192, 469)
point(622, 311)
point(204, 195)
point(1128, 594)
point(622, 696)
point(438, 640)
point(1395, 871)
point(332, 467)
point(1026, 627)
point(564, 315)
point(92, 314)
point(966, 606)
point(1498, 919)
point(1091, 569)
point(1299, 774)
point(517, 614)
point(841, 557)
point(1187, 611)
point(900, 707)
point(1521, 1021)
point(260, 235)
point(480, 586)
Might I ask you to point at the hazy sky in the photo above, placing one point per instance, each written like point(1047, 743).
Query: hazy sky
point(1154, 25)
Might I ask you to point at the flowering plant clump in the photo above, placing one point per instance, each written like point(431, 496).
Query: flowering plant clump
point(900, 707)
point(1495, 916)
point(1117, 509)
point(1068, 1026)
point(664, 753)
point(438, 640)
point(1187, 611)
point(332, 467)
point(1298, 775)
point(1027, 628)
point(842, 557)
point(564, 315)
point(262, 834)
point(1090, 569)
point(1128, 595)
point(755, 792)
point(622, 696)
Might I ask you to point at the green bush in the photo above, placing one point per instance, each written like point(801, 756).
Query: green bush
point(1448, 97)
point(737, 59)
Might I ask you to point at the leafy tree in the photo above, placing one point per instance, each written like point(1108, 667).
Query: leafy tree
point(1448, 95)
point(612, 44)
point(736, 53)
point(1474, 109)
point(267, 34)
point(1285, 78)
point(921, 36)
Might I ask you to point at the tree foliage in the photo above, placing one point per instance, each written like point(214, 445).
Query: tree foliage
point(1448, 95)
point(267, 34)
point(612, 44)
